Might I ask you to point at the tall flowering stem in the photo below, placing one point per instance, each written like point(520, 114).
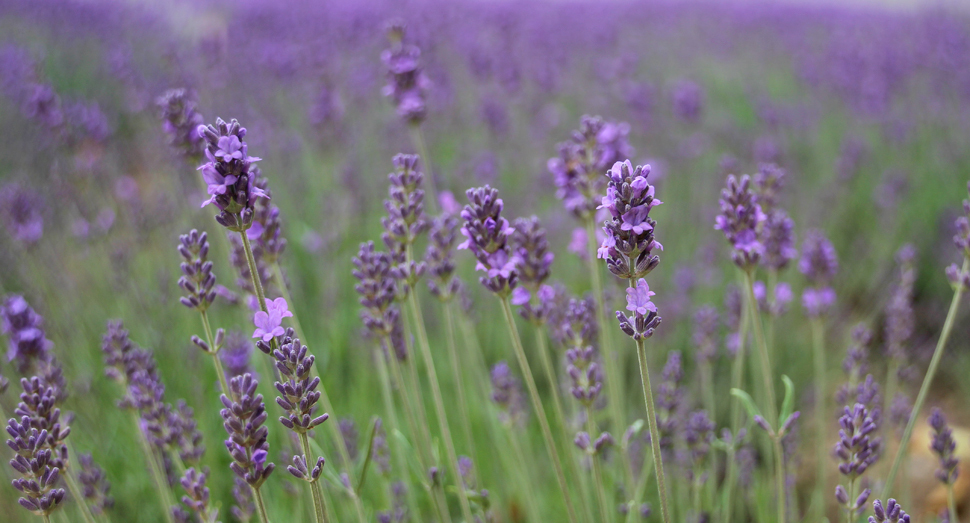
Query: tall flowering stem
point(628, 251)
point(960, 279)
point(487, 234)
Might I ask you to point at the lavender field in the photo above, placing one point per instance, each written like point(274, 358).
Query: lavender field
point(484, 262)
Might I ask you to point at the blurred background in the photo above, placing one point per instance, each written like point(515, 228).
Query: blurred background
point(866, 104)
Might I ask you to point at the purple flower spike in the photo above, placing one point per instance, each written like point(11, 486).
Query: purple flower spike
point(629, 244)
point(21, 211)
point(181, 121)
point(407, 85)
point(230, 174)
point(819, 264)
point(891, 513)
point(507, 395)
point(945, 448)
point(94, 485)
point(487, 235)
point(741, 220)
point(197, 279)
point(857, 450)
point(644, 320)
point(244, 415)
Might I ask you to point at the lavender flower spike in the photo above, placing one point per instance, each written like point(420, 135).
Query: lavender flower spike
point(34, 461)
point(629, 243)
point(857, 450)
point(197, 279)
point(244, 415)
point(407, 85)
point(891, 513)
point(487, 234)
point(94, 485)
point(959, 276)
point(181, 121)
point(741, 221)
point(229, 174)
point(819, 265)
point(945, 447)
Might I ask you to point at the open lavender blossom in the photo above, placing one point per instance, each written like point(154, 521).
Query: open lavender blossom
point(629, 243)
point(643, 320)
point(487, 236)
point(269, 324)
point(229, 174)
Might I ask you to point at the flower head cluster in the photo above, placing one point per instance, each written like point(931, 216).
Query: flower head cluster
point(891, 513)
point(298, 394)
point(439, 258)
point(733, 305)
point(21, 208)
point(36, 464)
point(945, 448)
point(741, 220)
point(487, 237)
point(407, 85)
point(819, 265)
point(405, 220)
point(94, 485)
point(507, 395)
point(857, 451)
point(957, 276)
point(243, 416)
point(643, 320)
point(236, 354)
point(269, 324)
point(768, 182)
point(229, 174)
point(181, 121)
point(586, 374)
point(629, 243)
point(574, 322)
point(26, 339)
point(592, 149)
point(698, 435)
point(706, 326)
point(197, 279)
point(688, 101)
point(243, 504)
point(778, 229)
point(377, 291)
point(535, 259)
point(196, 493)
point(900, 318)
point(670, 396)
point(776, 305)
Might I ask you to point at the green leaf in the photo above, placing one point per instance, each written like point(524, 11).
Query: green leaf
point(747, 402)
point(789, 402)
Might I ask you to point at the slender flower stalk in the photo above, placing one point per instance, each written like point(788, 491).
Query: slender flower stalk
point(487, 234)
point(960, 279)
point(593, 449)
point(628, 251)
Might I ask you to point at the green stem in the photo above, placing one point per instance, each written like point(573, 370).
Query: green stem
point(456, 371)
point(524, 476)
point(654, 431)
point(439, 404)
point(597, 470)
point(260, 505)
point(319, 505)
point(214, 352)
point(951, 503)
point(537, 406)
point(771, 409)
point(737, 371)
point(780, 478)
point(927, 380)
point(614, 377)
point(395, 424)
point(417, 135)
point(161, 483)
point(285, 292)
point(727, 497)
point(821, 411)
point(254, 272)
point(75, 490)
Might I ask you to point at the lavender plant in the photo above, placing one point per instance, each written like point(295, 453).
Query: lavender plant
point(944, 447)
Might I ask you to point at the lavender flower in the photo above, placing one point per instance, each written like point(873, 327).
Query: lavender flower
point(957, 276)
point(407, 85)
point(197, 279)
point(507, 395)
point(688, 101)
point(269, 324)
point(298, 395)
point(945, 447)
point(856, 452)
point(670, 396)
point(585, 443)
point(439, 258)
point(377, 290)
point(181, 121)
point(644, 319)
point(629, 244)
point(900, 318)
point(819, 265)
point(768, 182)
point(778, 304)
point(229, 174)
point(487, 234)
point(244, 506)
point(405, 221)
point(35, 462)
point(586, 374)
point(892, 513)
point(28, 346)
point(244, 415)
point(741, 220)
point(20, 209)
point(197, 498)
point(698, 435)
point(595, 146)
point(236, 354)
point(266, 230)
point(733, 305)
point(779, 240)
point(348, 429)
point(532, 251)
point(706, 326)
point(94, 485)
